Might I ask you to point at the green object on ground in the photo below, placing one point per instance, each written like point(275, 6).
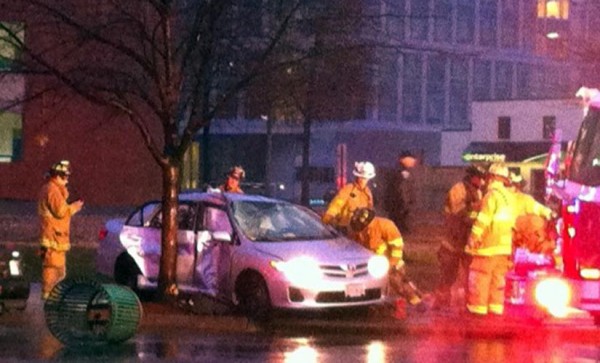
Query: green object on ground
point(81, 312)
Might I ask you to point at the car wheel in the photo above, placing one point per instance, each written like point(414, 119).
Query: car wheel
point(253, 296)
point(126, 272)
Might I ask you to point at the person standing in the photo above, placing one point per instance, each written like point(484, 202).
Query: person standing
point(351, 197)
point(490, 244)
point(381, 236)
point(400, 192)
point(55, 223)
point(232, 183)
point(463, 202)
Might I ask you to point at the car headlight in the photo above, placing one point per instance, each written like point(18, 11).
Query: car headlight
point(378, 266)
point(300, 271)
point(554, 294)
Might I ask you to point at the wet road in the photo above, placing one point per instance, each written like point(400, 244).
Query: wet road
point(24, 338)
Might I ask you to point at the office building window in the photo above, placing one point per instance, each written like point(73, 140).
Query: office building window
point(465, 21)
point(549, 127)
point(553, 9)
point(11, 137)
point(488, 12)
point(419, 18)
point(442, 17)
point(11, 36)
point(503, 80)
point(482, 80)
point(524, 82)
point(436, 75)
point(395, 18)
point(411, 88)
point(388, 88)
point(504, 128)
point(459, 103)
point(509, 23)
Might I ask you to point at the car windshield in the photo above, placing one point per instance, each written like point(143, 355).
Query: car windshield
point(278, 221)
point(585, 164)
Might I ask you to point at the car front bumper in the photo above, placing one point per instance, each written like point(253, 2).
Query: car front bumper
point(330, 294)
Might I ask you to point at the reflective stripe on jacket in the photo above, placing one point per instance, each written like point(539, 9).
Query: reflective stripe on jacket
point(350, 198)
point(491, 234)
point(382, 237)
point(55, 215)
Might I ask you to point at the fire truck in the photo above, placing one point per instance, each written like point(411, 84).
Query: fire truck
point(568, 279)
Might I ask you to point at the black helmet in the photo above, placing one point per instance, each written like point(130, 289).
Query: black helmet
point(476, 170)
point(361, 218)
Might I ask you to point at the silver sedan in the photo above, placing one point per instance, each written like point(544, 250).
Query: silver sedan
point(256, 252)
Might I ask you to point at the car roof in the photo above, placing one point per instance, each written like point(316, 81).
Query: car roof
point(222, 198)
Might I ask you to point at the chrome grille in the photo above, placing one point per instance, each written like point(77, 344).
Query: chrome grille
point(345, 271)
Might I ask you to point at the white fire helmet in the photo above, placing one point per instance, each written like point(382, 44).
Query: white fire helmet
point(499, 169)
point(364, 169)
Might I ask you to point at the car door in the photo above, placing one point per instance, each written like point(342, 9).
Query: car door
point(214, 257)
point(151, 245)
point(139, 238)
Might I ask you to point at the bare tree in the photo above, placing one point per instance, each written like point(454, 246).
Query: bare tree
point(167, 66)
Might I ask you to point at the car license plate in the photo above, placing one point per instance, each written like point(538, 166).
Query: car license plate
point(355, 290)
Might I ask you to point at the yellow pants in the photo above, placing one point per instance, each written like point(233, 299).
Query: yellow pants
point(54, 270)
point(486, 284)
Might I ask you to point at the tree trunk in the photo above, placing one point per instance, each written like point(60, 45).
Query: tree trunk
point(167, 278)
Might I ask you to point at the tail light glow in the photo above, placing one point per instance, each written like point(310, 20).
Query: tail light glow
point(590, 273)
point(554, 294)
point(102, 234)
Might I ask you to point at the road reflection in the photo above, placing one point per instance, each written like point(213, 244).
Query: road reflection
point(26, 339)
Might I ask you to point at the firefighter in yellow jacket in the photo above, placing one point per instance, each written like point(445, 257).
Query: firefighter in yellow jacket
point(351, 197)
point(381, 236)
point(232, 183)
point(490, 244)
point(55, 218)
point(463, 202)
point(530, 230)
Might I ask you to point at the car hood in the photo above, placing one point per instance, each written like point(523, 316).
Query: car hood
point(324, 251)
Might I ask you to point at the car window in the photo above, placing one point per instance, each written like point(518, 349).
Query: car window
point(185, 218)
point(275, 221)
point(141, 217)
point(216, 219)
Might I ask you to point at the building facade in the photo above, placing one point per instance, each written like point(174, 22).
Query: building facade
point(433, 59)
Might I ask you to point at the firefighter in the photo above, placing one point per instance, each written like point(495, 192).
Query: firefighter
point(490, 244)
point(232, 183)
point(462, 204)
point(381, 236)
point(351, 197)
point(530, 230)
point(55, 218)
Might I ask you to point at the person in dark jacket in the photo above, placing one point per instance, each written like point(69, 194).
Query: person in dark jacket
point(400, 192)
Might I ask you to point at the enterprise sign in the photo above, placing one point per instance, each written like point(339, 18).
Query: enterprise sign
point(488, 158)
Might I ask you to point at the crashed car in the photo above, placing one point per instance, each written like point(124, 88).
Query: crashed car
point(14, 287)
point(255, 252)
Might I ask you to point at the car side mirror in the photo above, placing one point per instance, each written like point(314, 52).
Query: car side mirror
point(221, 236)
